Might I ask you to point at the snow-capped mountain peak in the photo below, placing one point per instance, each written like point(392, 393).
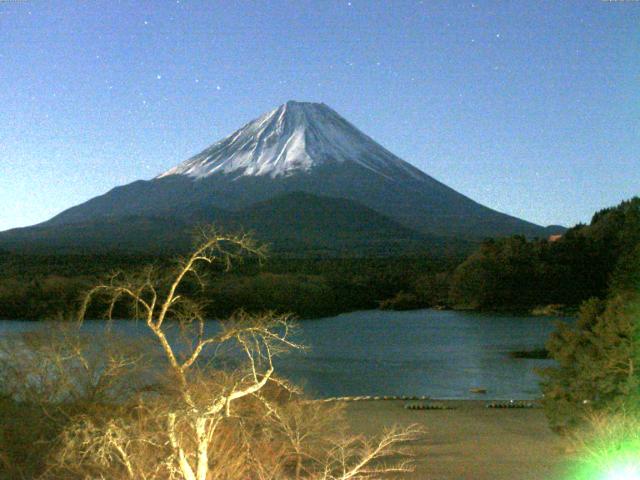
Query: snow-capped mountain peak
point(295, 137)
point(259, 173)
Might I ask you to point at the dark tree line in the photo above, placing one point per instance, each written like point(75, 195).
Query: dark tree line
point(598, 357)
point(516, 273)
point(32, 287)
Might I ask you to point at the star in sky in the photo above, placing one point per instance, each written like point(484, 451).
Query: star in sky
point(447, 52)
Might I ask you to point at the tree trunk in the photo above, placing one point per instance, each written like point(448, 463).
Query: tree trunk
point(203, 448)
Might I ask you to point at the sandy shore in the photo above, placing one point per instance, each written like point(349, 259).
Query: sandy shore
point(471, 441)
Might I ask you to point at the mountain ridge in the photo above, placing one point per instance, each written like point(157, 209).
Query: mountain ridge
point(323, 225)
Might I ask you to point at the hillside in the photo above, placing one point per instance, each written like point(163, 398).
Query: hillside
point(294, 223)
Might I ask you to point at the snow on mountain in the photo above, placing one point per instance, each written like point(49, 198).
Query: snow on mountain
point(295, 137)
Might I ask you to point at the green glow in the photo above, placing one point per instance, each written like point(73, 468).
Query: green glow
point(612, 453)
point(624, 472)
point(612, 460)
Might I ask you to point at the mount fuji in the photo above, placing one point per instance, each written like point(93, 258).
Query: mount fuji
point(299, 175)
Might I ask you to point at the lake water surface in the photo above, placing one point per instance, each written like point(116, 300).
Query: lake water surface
point(421, 352)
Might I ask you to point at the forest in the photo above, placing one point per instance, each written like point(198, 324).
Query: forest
point(31, 286)
point(506, 274)
point(515, 273)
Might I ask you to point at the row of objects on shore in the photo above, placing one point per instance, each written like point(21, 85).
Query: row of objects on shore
point(448, 406)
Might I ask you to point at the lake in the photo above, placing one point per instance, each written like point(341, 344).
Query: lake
point(442, 354)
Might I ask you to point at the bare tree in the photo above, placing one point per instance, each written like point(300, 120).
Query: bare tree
point(206, 420)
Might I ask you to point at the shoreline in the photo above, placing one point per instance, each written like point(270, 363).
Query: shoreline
point(424, 398)
point(470, 441)
point(570, 312)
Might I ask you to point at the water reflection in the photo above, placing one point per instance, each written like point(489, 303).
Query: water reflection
point(438, 353)
point(424, 352)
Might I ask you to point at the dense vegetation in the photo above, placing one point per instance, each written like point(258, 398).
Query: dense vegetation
point(597, 361)
point(596, 266)
point(599, 356)
point(514, 273)
point(33, 286)
point(593, 391)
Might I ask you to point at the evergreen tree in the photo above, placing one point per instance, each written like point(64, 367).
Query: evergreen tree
point(598, 361)
point(598, 358)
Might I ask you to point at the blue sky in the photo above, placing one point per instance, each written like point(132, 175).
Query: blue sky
point(529, 107)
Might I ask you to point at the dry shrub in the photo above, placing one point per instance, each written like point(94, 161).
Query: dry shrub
point(53, 375)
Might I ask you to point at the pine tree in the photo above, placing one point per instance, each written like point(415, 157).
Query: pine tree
point(598, 359)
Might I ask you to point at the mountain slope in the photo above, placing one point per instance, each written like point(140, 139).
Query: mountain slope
point(304, 222)
point(293, 223)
